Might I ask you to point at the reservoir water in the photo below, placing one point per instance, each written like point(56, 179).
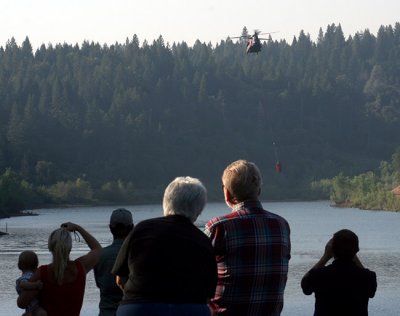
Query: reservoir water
point(312, 224)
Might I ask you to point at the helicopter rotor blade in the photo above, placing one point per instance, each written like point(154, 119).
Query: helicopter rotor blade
point(243, 36)
point(267, 33)
point(256, 33)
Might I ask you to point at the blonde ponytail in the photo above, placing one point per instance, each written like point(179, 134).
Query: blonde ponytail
point(60, 244)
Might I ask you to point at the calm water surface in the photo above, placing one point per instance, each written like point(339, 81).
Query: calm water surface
point(312, 224)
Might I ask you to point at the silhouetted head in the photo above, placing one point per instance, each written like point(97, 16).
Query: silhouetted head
point(185, 196)
point(243, 180)
point(345, 244)
point(28, 261)
point(121, 223)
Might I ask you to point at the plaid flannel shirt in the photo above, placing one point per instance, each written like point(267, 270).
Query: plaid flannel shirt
point(252, 248)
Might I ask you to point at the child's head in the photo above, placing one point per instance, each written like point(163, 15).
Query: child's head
point(28, 261)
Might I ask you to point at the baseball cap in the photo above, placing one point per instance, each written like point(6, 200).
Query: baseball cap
point(121, 216)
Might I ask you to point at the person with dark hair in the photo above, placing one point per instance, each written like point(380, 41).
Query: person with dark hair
point(166, 266)
point(252, 248)
point(63, 279)
point(121, 224)
point(28, 263)
point(345, 286)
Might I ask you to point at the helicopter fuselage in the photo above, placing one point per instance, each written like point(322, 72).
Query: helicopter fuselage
point(253, 45)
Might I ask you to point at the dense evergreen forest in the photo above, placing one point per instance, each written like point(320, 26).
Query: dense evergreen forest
point(116, 123)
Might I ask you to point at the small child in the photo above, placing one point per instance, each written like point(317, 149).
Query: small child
point(28, 263)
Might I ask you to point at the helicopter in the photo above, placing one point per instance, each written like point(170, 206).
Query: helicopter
point(254, 42)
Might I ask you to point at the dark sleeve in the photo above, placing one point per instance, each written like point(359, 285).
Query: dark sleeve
point(372, 284)
point(289, 241)
point(212, 279)
point(96, 275)
point(96, 268)
point(121, 267)
point(307, 283)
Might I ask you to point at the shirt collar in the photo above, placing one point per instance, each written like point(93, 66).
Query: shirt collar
point(247, 204)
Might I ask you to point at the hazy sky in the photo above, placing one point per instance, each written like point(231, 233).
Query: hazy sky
point(110, 21)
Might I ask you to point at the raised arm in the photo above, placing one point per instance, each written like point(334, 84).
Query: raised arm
point(357, 261)
point(306, 282)
point(328, 255)
point(92, 257)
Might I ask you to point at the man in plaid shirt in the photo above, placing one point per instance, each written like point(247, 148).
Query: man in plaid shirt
point(252, 248)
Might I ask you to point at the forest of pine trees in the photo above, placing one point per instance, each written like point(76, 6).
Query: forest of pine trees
point(118, 122)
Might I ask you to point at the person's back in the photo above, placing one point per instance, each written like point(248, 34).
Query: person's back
point(252, 260)
point(166, 266)
point(252, 248)
point(63, 280)
point(171, 261)
point(343, 287)
point(63, 299)
point(121, 224)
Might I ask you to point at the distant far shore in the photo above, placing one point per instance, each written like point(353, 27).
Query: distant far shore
point(31, 212)
point(16, 214)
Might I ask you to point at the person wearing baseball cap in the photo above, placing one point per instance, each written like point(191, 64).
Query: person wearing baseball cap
point(121, 217)
point(121, 223)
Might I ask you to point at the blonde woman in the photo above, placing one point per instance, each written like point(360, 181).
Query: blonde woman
point(63, 280)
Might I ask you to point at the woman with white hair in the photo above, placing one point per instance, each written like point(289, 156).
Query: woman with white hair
point(166, 265)
point(63, 280)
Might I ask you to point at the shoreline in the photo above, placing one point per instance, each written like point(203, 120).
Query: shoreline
point(350, 204)
point(18, 214)
point(31, 212)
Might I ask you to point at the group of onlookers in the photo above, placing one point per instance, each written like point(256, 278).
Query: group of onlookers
point(167, 266)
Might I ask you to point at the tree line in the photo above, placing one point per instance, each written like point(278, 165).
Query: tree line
point(131, 116)
point(369, 190)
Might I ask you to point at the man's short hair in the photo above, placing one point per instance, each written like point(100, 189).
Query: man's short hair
point(345, 244)
point(243, 180)
point(185, 196)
